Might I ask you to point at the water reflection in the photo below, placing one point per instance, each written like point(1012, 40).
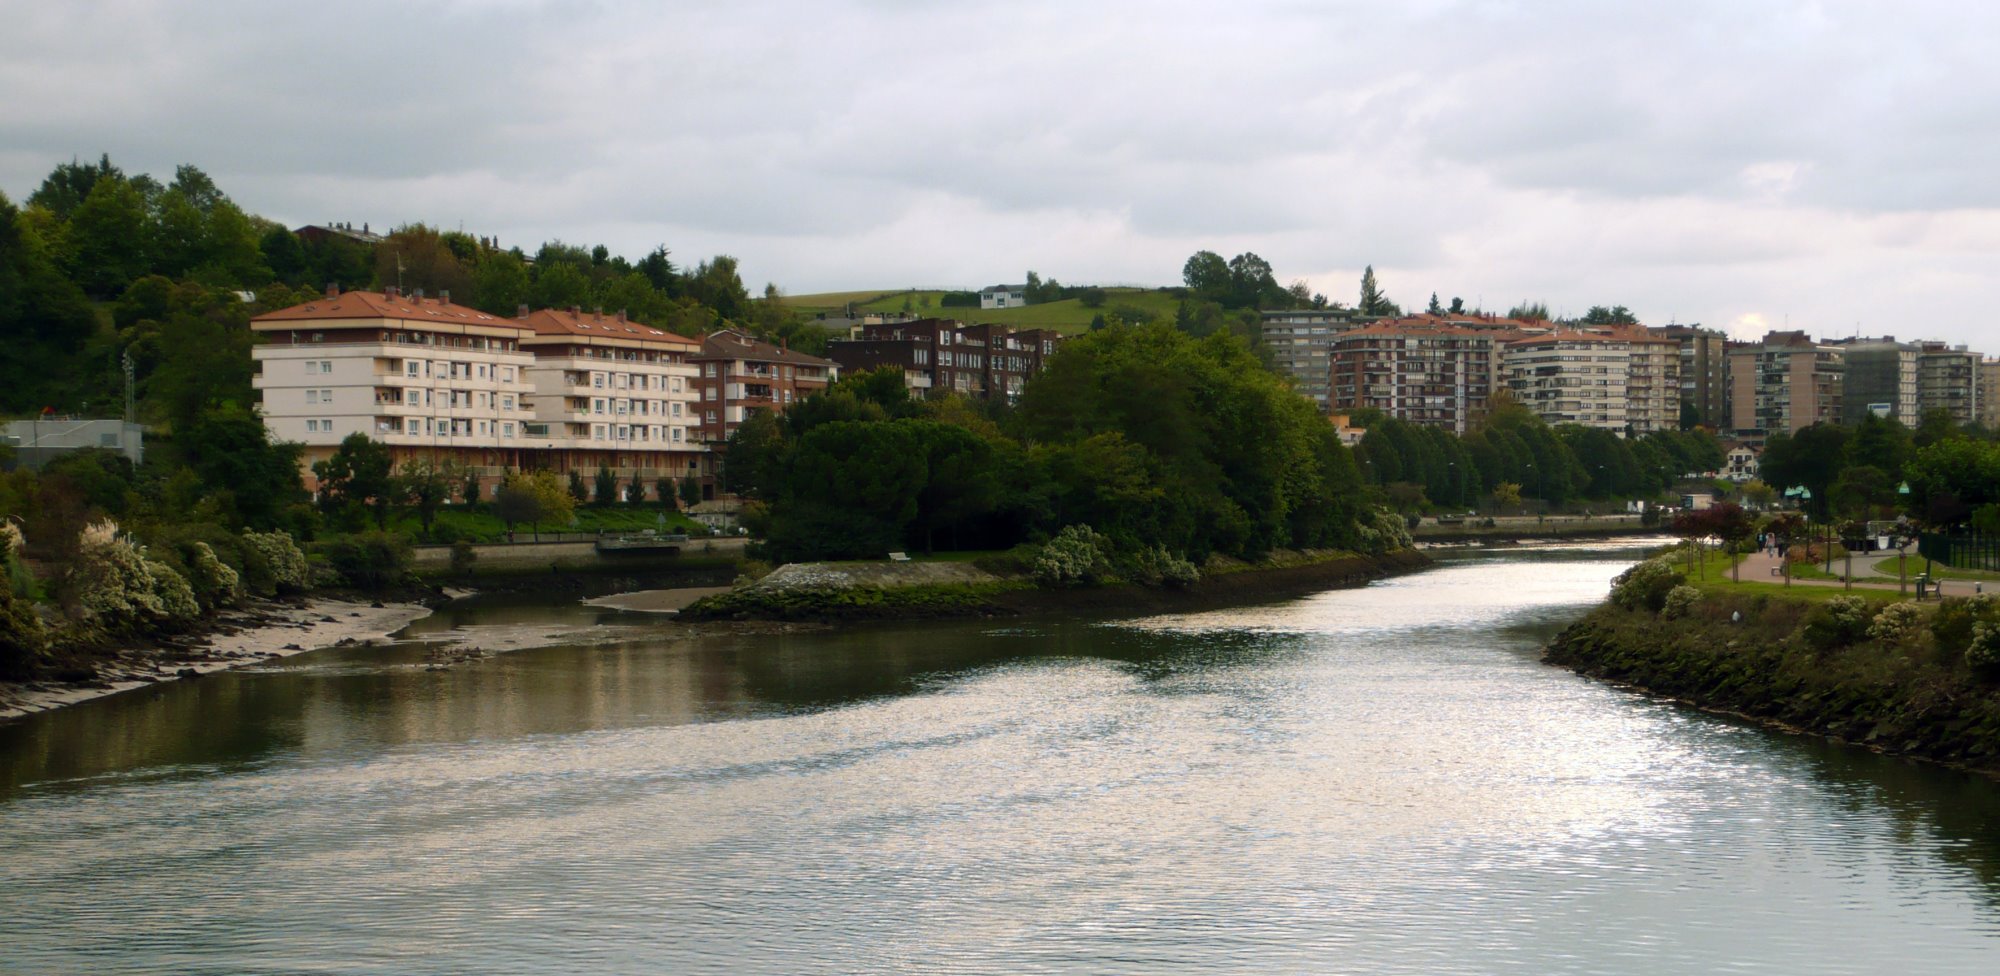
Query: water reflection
point(1373, 780)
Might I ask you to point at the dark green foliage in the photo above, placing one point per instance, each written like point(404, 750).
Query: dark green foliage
point(359, 474)
point(369, 561)
point(1812, 458)
point(690, 491)
point(851, 603)
point(604, 489)
point(577, 490)
point(230, 451)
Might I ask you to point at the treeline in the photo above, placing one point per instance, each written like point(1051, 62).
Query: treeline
point(1157, 440)
point(1513, 454)
point(95, 252)
point(1941, 475)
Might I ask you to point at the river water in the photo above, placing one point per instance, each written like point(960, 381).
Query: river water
point(1372, 780)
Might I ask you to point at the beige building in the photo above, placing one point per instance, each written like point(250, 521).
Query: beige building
point(1618, 378)
point(1784, 382)
point(1300, 342)
point(424, 376)
point(613, 393)
point(1989, 394)
point(1419, 372)
point(558, 390)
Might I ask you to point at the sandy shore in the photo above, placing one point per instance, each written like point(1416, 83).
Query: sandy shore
point(243, 637)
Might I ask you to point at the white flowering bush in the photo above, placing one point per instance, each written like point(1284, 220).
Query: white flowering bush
point(1680, 602)
point(1075, 556)
point(1383, 532)
point(1984, 651)
point(1645, 586)
point(1155, 566)
point(11, 542)
point(1896, 622)
point(114, 587)
point(286, 560)
point(1838, 622)
point(176, 598)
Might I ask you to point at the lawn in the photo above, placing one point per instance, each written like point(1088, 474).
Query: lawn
point(1068, 315)
point(1917, 564)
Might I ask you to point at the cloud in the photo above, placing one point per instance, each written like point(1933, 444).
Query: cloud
point(1705, 161)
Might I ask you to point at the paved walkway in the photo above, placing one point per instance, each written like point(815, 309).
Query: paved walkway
point(1763, 568)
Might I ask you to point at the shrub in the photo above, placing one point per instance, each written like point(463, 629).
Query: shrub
point(1383, 532)
point(1076, 556)
point(1896, 622)
point(1954, 620)
point(110, 582)
point(21, 636)
point(177, 602)
point(213, 582)
point(1983, 652)
point(284, 562)
point(1680, 602)
point(368, 560)
point(1155, 566)
point(1645, 586)
point(462, 557)
point(1837, 622)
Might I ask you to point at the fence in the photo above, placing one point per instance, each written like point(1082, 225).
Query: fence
point(1962, 550)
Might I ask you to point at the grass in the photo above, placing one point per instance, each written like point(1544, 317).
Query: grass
point(1718, 581)
point(1917, 564)
point(1068, 315)
point(480, 525)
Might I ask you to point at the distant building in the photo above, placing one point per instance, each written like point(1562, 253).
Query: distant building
point(741, 374)
point(1704, 372)
point(320, 233)
point(1739, 463)
point(1617, 378)
point(1300, 342)
point(1417, 371)
point(1880, 379)
point(1948, 380)
point(613, 393)
point(39, 440)
point(939, 356)
point(1784, 382)
point(1989, 394)
point(1003, 296)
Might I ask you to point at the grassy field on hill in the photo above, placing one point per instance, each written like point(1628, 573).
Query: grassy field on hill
point(1068, 315)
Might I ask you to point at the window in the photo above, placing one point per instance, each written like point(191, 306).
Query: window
point(409, 367)
point(677, 434)
point(677, 408)
point(677, 384)
point(708, 393)
point(312, 396)
point(597, 380)
point(507, 402)
point(312, 366)
point(507, 374)
point(597, 431)
point(410, 397)
point(711, 416)
point(312, 426)
point(597, 406)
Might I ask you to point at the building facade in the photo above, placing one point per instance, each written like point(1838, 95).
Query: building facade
point(1880, 379)
point(1003, 296)
point(1704, 373)
point(1442, 376)
point(738, 374)
point(940, 356)
point(1301, 346)
point(607, 392)
point(1989, 394)
point(1785, 382)
point(1948, 380)
point(1571, 377)
point(423, 376)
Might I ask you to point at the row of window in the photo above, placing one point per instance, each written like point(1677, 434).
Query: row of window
point(447, 369)
point(635, 381)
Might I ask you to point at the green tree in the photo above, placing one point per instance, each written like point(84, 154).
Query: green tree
point(1373, 302)
point(359, 472)
point(500, 284)
point(690, 491)
point(69, 184)
point(426, 485)
point(1207, 275)
point(605, 490)
point(754, 453)
point(578, 492)
point(1615, 315)
point(1810, 458)
point(107, 238)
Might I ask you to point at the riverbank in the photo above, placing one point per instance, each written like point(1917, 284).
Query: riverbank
point(880, 591)
point(1785, 663)
point(1524, 528)
point(260, 632)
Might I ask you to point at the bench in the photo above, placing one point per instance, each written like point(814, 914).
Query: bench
point(899, 557)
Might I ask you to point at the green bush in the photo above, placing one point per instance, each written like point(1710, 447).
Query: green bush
point(1953, 623)
point(1155, 566)
point(1837, 622)
point(214, 583)
point(283, 562)
point(1680, 601)
point(371, 561)
point(462, 557)
point(1645, 586)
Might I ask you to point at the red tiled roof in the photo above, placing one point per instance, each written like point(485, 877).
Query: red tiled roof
point(730, 344)
point(377, 305)
point(597, 325)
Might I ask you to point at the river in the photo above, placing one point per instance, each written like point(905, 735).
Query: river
point(1372, 780)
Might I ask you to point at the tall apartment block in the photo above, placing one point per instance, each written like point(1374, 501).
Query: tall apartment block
point(1704, 372)
point(1880, 379)
point(1948, 380)
point(939, 356)
point(615, 393)
point(1784, 382)
point(1422, 373)
point(740, 374)
point(1301, 346)
point(1989, 394)
point(1621, 378)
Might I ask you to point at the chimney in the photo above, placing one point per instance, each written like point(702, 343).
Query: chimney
point(444, 296)
point(621, 316)
point(576, 311)
point(418, 294)
point(333, 289)
point(521, 311)
point(597, 314)
point(390, 291)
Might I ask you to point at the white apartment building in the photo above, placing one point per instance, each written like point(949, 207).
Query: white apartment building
point(557, 390)
point(613, 393)
point(422, 375)
point(1571, 378)
point(1301, 345)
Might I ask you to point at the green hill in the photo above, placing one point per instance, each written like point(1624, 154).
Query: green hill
point(1068, 315)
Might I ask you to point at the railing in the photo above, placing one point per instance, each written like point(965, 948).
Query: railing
point(1961, 550)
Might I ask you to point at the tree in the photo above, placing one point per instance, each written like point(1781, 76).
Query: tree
point(605, 489)
point(516, 502)
point(1207, 275)
point(1811, 458)
point(359, 472)
point(69, 184)
point(690, 491)
point(1615, 315)
point(107, 238)
point(553, 501)
point(230, 451)
point(1759, 494)
point(1373, 302)
point(1530, 312)
point(577, 492)
point(1251, 283)
point(426, 485)
point(755, 449)
point(1434, 308)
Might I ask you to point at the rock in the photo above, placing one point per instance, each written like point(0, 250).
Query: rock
point(377, 605)
point(354, 613)
point(327, 620)
point(187, 673)
point(291, 647)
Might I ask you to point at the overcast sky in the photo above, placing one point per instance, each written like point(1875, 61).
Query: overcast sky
point(1739, 164)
